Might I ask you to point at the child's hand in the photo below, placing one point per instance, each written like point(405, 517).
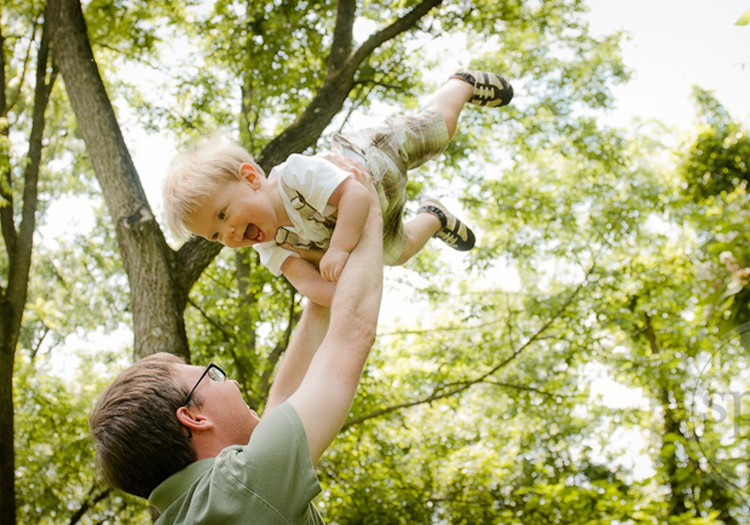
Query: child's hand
point(333, 263)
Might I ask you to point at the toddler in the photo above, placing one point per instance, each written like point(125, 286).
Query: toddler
point(305, 217)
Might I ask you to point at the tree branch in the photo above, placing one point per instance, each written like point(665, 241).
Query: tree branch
point(6, 195)
point(22, 75)
point(454, 388)
point(401, 25)
point(228, 336)
point(88, 503)
point(191, 260)
point(330, 98)
point(19, 269)
point(293, 315)
point(341, 47)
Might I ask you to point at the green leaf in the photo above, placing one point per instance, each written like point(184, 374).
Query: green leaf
point(744, 19)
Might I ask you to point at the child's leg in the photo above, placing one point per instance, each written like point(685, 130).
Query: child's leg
point(418, 231)
point(449, 100)
point(477, 87)
point(434, 220)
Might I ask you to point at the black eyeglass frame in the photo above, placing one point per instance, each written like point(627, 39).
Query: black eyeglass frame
point(211, 366)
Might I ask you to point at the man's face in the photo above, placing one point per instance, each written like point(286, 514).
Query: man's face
point(237, 214)
point(222, 403)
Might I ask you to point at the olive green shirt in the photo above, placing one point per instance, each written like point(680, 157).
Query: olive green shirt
point(268, 481)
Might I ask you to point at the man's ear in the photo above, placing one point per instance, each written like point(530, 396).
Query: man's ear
point(251, 174)
point(192, 419)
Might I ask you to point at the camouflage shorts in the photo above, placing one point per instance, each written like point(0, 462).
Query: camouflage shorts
point(389, 151)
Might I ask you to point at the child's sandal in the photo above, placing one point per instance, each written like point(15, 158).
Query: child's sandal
point(490, 89)
point(453, 232)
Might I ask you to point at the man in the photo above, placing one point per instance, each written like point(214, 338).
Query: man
point(183, 436)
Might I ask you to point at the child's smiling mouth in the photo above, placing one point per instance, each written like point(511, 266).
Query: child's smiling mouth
point(254, 234)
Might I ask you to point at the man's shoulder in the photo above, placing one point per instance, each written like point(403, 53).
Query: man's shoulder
point(252, 479)
point(283, 418)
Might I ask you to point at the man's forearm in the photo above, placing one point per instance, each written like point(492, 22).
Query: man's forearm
point(325, 395)
point(305, 341)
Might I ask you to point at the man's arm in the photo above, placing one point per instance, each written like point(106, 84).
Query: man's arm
point(307, 337)
point(325, 395)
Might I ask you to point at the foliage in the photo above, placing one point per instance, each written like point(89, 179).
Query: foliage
point(218, 316)
point(717, 159)
point(717, 177)
point(744, 19)
point(56, 481)
point(612, 269)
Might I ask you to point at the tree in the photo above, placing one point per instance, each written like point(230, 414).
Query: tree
point(160, 278)
point(54, 450)
point(158, 292)
point(717, 175)
point(18, 220)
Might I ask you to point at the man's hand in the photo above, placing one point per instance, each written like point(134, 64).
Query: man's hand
point(333, 263)
point(345, 163)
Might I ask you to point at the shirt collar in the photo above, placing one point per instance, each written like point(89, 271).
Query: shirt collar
point(177, 484)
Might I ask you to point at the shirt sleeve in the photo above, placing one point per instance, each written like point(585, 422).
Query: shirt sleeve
point(315, 178)
point(276, 465)
point(272, 256)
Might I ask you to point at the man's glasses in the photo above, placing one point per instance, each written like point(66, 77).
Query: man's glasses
point(213, 372)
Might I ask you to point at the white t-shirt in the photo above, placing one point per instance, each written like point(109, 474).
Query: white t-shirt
point(314, 179)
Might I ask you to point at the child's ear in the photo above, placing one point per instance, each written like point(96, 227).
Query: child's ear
point(251, 174)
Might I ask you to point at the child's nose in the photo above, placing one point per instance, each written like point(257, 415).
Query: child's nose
point(227, 235)
point(229, 232)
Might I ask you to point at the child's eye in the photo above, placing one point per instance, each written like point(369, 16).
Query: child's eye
point(222, 215)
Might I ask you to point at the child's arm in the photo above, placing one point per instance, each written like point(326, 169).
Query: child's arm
point(353, 202)
point(305, 277)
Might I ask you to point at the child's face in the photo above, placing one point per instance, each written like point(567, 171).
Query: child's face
point(237, 214)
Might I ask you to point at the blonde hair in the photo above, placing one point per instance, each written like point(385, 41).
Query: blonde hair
point(197, 172)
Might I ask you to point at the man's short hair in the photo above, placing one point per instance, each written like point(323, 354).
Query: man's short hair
point(138, 438)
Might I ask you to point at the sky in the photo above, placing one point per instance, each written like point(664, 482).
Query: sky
point(674, 45)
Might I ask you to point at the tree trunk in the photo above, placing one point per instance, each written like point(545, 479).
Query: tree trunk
point(669, 396)
point(157, 297)
point(19, 245)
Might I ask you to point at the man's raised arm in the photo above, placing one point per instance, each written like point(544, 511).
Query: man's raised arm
point(327, 390)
